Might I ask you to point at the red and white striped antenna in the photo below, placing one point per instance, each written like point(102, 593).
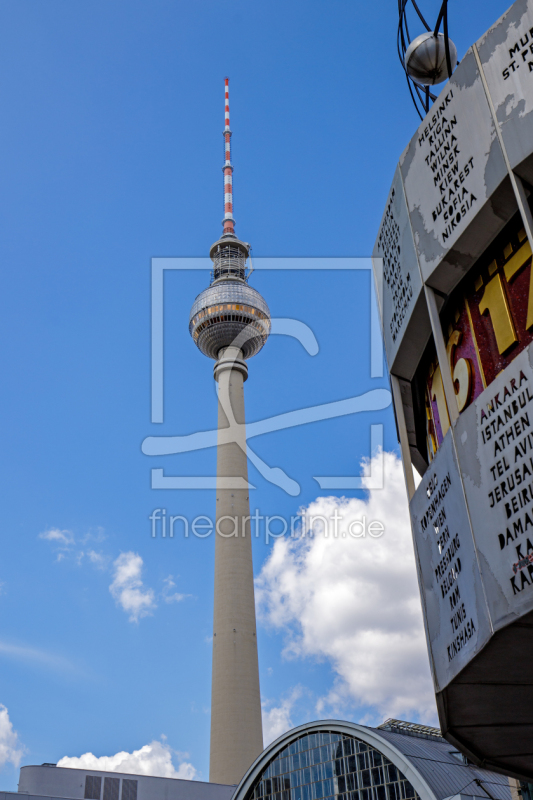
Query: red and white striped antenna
point(228, 221)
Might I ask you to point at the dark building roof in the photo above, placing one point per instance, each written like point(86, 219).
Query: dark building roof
point(446, 773)
point(433, 766)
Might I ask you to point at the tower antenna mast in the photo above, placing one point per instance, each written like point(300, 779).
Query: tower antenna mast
point(228, 221)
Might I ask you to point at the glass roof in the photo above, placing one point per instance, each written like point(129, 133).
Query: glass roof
point(332, 766)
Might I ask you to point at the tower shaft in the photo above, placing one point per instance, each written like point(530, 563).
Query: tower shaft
point(236, 727)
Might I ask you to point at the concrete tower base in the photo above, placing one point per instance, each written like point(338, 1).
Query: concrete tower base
point(236, 727)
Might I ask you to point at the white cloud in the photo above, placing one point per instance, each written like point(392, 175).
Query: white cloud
point(168, 595)
point(63, 539)
point(94, 535)
point(32, 654)
point(99, 560)
point(11, 750)
point(67, 546)
point(152, 759)
point(355, 602)
point(277, 720)
point(128, 589)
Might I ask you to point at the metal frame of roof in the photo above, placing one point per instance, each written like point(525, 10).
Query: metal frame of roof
point(411, 729)
point(426, 760)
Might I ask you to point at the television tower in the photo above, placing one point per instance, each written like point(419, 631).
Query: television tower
point(230, 323)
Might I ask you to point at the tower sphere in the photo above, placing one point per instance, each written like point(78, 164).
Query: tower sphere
point(229, 311)
point(425, 59)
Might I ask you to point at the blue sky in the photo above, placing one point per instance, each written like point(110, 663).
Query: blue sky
point(111, 154)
